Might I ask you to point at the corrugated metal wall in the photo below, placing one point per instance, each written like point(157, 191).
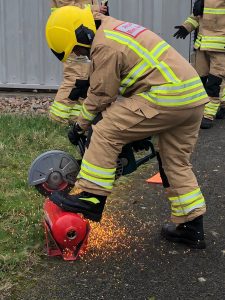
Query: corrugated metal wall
point(25, 60)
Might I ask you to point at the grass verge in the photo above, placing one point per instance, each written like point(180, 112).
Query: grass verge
point(22, 139)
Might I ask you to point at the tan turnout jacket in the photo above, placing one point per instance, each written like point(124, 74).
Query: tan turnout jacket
point(79, 3)
point(131, 59)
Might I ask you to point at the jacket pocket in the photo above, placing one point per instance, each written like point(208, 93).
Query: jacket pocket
point(126, 113)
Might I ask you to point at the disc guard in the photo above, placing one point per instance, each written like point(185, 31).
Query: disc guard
point(53, 170)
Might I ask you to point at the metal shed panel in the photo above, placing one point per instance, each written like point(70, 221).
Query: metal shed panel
point(25, 60)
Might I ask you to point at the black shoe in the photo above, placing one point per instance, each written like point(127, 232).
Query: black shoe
point(189, 233)
point(221, 113)
point(88, 204)
point(206, 123)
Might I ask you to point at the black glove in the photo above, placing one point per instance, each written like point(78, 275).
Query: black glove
point(141, 145)
point(181, 33)
point(76, 134)
point(198, 8)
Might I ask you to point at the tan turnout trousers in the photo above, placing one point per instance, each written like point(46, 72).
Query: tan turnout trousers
point(123, 123)
point(210, 62)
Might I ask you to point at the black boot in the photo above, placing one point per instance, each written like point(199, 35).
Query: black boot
point(221, 113)
point(88, 204)
point(189, 233)
point(206, 123)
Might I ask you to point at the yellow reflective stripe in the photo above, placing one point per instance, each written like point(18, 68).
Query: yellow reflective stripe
point(213, 46)
point(211, 108)
point(101, 182)
point(176, 100)
point(185, 196)
point(92, 200)
point(207, 38)
point(167, 73)
point(60, 110)
point(93, 171)
point(214, 11)
point(109, 171)
point(64, 111)
point(186, 199)
point(183, 86)
point(61, 106)
point(142, 52)
point(193, 22)
point(140, 69)
point(132, 77)
point(159, 49)
point(58, 113)
point(182, 211)
point(86, 114)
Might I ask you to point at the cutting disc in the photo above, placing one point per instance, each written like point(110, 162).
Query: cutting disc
point(53, 170)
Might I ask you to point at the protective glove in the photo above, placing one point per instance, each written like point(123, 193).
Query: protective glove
point(181, 33)
point(76, 134)
point(198, 8)
point(141, 145)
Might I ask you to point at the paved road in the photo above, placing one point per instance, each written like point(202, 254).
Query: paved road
point(127, 257)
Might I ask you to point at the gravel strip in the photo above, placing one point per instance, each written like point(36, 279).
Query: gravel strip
point(26, 103)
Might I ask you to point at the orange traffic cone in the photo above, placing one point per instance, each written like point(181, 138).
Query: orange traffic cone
point(155, 179)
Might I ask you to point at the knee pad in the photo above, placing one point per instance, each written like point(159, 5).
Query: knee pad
point(80, 90)
point(213, 86)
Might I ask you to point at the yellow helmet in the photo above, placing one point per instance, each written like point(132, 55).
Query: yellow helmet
point(68, 27)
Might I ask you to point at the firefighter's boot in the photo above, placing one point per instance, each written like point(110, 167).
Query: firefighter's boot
point(88, 204)
point(206, 123)
point(221, 113)
point(189, 233)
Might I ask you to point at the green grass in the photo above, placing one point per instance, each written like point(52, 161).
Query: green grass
point(22, 139)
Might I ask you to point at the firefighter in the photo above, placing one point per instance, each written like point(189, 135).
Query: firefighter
point(67, 103)
point(162, 94)
point(209, 19)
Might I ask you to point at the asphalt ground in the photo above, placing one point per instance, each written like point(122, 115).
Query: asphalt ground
point(127, 258)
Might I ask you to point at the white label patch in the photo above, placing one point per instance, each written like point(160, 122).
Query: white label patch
point(130, 28)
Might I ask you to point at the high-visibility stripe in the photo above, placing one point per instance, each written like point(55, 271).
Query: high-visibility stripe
point(59, 114)
point(92, 200)
point(213, 46)
point(184, 204)
point(183, 86)
point(64, 111)
point(214, 11)
point(194, 23)
point(210, 42)
point(133, 76)
point(159, 49)
point(101, 176)
point(175, 100)
point(211, 109)
point(107, 184)
point(143, 53)
point(95, 170)
point(186, 210)
point(86, 114)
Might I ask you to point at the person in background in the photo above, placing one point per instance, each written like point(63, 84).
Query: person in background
point(73, 89)
point(209, 19)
